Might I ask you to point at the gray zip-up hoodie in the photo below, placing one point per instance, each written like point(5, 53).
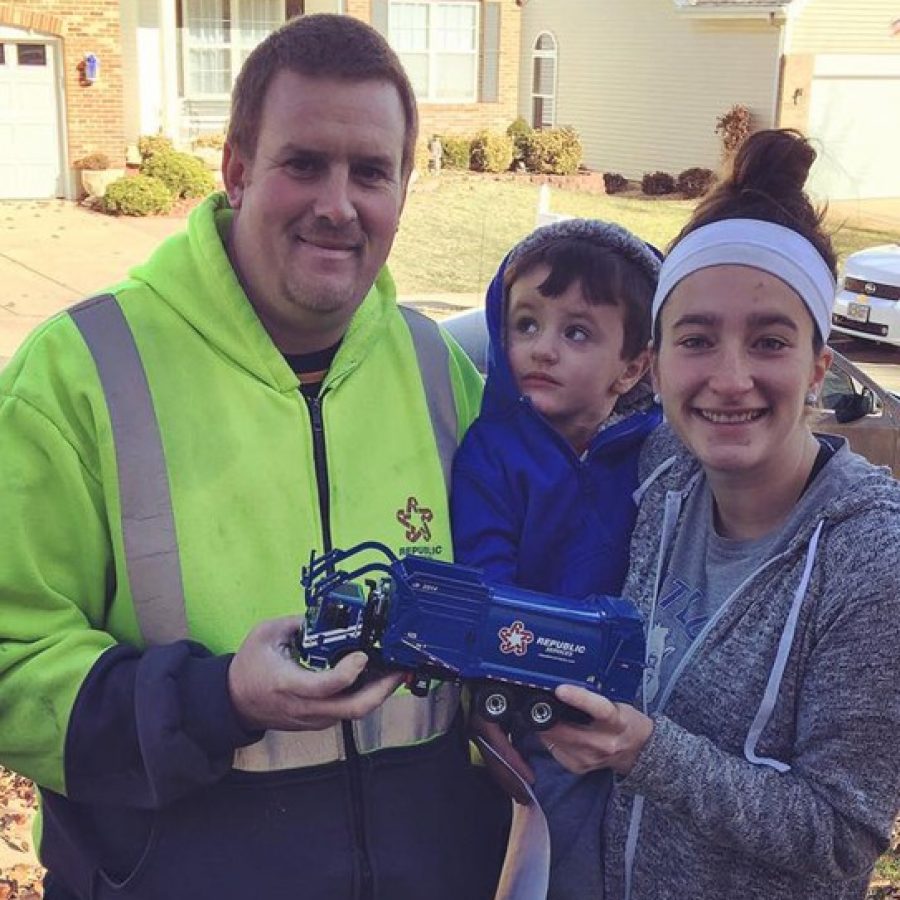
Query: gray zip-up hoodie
point(773, 769)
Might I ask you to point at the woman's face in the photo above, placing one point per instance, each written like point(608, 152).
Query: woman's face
point(734, 365)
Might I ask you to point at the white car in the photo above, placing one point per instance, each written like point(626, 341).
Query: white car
point(868, 301)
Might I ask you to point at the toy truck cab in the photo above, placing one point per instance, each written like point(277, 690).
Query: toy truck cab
point(444, 621)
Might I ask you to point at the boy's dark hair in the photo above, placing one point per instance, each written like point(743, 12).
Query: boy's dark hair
point(605, 275)
point(767, 183)
point(324, 45)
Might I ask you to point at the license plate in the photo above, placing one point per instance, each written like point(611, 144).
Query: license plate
point(858, 312)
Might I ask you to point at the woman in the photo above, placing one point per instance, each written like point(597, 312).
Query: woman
point(762, 760)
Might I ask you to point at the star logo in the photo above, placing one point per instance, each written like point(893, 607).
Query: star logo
point(515, 638)
point(415, 520)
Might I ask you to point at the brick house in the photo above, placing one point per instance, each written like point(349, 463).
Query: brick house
point(643, 81)
point(168, 66)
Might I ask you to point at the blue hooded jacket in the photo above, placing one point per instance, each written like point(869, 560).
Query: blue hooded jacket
point(525, 507)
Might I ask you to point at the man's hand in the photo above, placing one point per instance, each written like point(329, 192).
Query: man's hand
point(613, 739)
point(269, 690)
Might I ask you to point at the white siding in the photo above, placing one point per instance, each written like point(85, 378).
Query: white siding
point(845, 26)
point(643, 85)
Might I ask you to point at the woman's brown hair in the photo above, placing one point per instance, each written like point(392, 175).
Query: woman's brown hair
point(767, 181)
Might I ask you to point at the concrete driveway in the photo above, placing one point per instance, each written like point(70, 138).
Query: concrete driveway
point(54, 253)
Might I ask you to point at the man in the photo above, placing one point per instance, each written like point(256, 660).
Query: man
point(162, 482)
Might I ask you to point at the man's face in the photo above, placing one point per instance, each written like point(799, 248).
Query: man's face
point(317, 206)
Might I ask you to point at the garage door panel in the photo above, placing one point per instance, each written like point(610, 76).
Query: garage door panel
point(30, 158)
point(35, 98)
point(855, 125)
point(36, 145)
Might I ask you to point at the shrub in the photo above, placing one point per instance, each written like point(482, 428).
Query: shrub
point(735, 127)
point(492, 151)
point(614, 182)
point(520, 131)
point(140, 195)
point(656, 183)
point(696, 182)
point(421, 157)
point(553, 151)
point(93, 162)
point(457, 151)
point(214, 140)
point(184, 175)
point(151, 144)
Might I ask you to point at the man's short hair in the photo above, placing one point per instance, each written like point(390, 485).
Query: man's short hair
point(324, 45)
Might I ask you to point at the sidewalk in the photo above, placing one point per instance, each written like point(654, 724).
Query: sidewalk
point(54, 253)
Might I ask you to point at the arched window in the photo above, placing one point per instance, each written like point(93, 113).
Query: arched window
point(543, 81)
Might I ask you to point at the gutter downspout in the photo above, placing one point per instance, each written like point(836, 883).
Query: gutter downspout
point(779, 67)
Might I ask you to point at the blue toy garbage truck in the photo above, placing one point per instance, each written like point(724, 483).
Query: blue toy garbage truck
point(438, 620)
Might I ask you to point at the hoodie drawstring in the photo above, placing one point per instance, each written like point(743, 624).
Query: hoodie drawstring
point(764, 713)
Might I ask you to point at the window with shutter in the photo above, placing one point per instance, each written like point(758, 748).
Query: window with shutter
point(216, 36)
point(543, 81)
point(438, 45)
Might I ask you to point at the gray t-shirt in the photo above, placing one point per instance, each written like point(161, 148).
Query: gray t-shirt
point(704, 570)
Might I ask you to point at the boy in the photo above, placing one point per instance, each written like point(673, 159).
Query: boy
point(543, 481)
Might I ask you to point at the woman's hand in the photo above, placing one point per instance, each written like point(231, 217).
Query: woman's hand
point(612, 740)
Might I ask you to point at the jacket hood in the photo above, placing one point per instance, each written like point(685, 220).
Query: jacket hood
point(191, 272)
point(500, 390)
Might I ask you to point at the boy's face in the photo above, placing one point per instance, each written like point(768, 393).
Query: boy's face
point(566, 355)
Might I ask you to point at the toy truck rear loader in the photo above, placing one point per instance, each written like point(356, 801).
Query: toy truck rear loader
point(444, 621)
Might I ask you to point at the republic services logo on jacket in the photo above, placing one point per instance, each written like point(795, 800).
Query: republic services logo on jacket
point(415, 519)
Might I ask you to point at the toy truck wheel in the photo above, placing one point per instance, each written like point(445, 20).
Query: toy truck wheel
point(543, 712)
point(419, 685)
point(494, 703)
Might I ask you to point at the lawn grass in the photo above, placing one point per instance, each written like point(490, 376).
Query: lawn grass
point(456, 228)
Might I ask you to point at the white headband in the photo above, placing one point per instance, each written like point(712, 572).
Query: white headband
point(763, 245)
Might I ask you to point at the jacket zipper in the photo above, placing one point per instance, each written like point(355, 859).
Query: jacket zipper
point(354, 763)
point(314, 404)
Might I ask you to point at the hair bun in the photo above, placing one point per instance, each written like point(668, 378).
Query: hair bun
point(774, 162)
point(767, 183)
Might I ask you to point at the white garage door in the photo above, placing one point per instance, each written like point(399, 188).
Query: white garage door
point(855, 121)
point(30, 158)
